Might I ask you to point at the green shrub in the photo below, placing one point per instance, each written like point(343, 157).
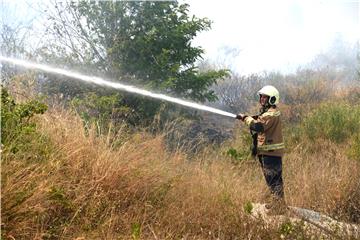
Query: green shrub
point(98, 109)
point(237, 155)
point(112, 108)
point(335, 121)
point(17, 129)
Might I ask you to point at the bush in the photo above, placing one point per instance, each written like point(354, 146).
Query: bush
point(101, 110)
point(17, 129)
point(337, 122)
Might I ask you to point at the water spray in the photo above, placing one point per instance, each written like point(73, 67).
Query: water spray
point(102, 82)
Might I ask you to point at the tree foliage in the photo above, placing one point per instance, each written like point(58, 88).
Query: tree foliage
point(148, 44)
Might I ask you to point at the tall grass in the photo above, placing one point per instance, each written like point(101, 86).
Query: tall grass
point(87, 187)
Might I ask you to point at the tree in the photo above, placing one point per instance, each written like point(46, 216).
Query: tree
point(16, 38)
point(141, 43)
point(11, 44)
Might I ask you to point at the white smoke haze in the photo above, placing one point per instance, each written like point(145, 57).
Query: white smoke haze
point(268, 35)
point(275, 35)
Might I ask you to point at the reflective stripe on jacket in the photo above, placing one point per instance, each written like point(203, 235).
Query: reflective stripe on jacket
point(270, 139)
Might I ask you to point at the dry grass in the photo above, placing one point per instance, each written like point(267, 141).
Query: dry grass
point(89, 189)
point(321, 178)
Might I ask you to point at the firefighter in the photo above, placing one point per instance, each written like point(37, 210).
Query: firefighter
point(268, 144)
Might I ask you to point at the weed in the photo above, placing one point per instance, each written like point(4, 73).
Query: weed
point(237, 156)
point(58, 196)
point(135, 231)
point(286, 228)
point(248, 207)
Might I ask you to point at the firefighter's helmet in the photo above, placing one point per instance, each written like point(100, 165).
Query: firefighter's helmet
point(272, 92)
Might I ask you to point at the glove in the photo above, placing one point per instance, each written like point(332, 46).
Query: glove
point(241, 116)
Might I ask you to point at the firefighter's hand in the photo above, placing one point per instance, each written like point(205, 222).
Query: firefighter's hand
point(241, 116)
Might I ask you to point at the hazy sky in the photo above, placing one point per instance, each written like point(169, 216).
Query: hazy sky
point(276, 34)
point(265, 34)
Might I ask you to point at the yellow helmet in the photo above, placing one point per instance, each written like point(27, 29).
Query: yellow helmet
point(272, 92)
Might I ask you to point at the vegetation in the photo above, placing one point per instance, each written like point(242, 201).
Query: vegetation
point(18, 131)
point(87, 187)
point(86, 163)
point(145, 44)
point(336, 122)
